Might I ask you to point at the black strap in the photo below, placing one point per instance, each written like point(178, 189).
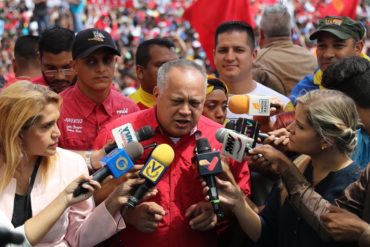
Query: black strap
point(32, 181)
point(22, 204)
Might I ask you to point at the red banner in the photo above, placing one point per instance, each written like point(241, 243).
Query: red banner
point(205, 16)
point(338, 7)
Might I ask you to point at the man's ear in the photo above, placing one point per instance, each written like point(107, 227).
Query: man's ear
point(359, 45)
point(156, 92)
point(254, 55)
point(140, 72)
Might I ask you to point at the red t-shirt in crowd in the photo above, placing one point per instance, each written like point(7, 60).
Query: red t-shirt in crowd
point(36, 80)
point(179, 188)
point(81, 119)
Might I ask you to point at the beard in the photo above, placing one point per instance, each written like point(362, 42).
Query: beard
point(59, 85)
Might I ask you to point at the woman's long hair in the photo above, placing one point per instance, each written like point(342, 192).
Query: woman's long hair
point(20, 106)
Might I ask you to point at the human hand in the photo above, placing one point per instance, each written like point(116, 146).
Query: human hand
point(201, 216)
point(85, 182)
point(145, 217)
point(277, 106)
point(278, 138)
point(343, 225)
point(228, 193)
point(268, 155)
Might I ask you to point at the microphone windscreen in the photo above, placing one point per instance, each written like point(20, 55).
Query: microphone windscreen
point(164, 154)
point(134, 150)
point(230, 125)
point(145, 133)
point(203, 145)
point(220, 135)
point(239, 104)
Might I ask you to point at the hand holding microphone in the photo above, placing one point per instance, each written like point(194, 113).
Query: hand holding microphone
point(209, 165)
point(117, 163)
point(272, 157)
point(153, 170)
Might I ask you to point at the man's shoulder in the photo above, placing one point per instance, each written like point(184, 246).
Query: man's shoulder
point(133, 118)
point(68, 92)
point(120, 97)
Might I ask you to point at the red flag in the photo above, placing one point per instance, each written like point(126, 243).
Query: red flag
point(205, 16)
point(338, 7)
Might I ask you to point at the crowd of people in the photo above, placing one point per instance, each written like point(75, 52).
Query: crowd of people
point(131, 22)
point(304, 182)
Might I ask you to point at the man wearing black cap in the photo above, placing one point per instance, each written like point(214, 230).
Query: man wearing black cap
point(92, 101)
point(337, 37)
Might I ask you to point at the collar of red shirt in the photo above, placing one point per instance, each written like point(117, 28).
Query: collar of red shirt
point(87, 106)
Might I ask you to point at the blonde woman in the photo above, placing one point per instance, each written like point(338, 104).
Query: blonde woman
point(34, 171)
point(325, 132)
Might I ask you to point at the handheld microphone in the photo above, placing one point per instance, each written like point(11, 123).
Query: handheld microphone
point(8, 237)
point(126, 134)
point(234, 145)
point(116, 163)
point(153, 170)
point(230, 125)
point(209, 164)
point(251, 104)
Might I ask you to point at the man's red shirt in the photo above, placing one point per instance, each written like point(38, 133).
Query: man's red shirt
point(179, 188)
point(81, 119)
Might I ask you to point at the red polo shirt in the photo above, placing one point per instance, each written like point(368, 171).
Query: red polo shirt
point(81, 119)
point(179, 188)
point(35, 80)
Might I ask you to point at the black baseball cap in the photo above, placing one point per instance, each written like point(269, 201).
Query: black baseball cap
point(89, 40)
point(341, 26)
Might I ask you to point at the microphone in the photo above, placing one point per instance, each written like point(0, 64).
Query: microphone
point(234, 145)
point(209, 164)
point(126, 134)
point(8, 237)
point(153, 170)
point(230, 125)
point(251, 104)
point(116, 163)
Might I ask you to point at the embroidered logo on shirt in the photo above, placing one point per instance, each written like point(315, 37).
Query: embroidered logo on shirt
point(74, 125)
point(122, 111)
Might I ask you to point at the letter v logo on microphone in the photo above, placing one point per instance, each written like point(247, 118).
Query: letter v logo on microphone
point(212, 165)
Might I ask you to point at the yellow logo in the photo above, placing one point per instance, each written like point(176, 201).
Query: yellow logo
point(256, 105)
point(334, 21)
point(121, 163)
point(153, 170)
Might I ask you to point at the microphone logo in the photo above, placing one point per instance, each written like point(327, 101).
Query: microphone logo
point(122, 163)
point(153, 170)
point(126, 135)
point(210, 165)
point(231, 142)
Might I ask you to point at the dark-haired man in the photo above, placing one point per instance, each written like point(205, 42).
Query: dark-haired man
point(92, 101)
point(337, 37)
point(26, 63)
point(234, 55)
point(150, 55)
point(55, 48)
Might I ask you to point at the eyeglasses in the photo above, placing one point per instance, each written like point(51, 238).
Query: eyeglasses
point(53, 72)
